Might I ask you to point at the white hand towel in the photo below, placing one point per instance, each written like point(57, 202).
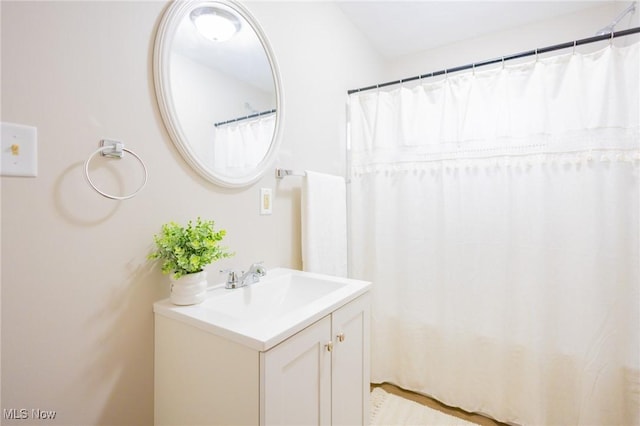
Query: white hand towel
point(324, 224)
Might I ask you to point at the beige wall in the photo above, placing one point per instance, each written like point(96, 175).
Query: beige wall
point(77, 292)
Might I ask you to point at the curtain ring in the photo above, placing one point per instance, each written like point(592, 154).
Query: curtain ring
point(574, 47)
point(611, 39)
point(536, 55)
point(503, 62)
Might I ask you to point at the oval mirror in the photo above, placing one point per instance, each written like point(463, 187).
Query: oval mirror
point(218, 89)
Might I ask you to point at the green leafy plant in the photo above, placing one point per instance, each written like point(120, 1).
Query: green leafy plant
point(187, 250)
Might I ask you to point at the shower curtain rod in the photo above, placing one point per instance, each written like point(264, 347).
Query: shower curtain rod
point(504, 58)
point(247, 117)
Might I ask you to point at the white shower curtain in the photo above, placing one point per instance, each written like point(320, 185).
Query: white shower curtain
point(239, 146)
point(497, 213)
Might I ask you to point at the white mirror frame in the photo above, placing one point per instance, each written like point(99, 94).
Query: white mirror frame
point(177, 11)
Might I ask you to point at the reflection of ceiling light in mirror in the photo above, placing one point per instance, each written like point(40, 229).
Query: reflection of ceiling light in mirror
point(215, 24)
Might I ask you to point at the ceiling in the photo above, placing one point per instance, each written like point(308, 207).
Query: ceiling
point(397, 28)
point(241, 57)
point(394, 28)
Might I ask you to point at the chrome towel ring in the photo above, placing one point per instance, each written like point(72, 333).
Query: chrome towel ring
point(114, 149)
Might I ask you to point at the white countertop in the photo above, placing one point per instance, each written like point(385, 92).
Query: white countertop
point(258, 316)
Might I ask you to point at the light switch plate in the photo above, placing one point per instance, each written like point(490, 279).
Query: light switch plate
point(18, 150)
point(266, 202)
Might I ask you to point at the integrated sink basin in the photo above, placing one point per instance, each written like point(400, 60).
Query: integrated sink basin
point(272, 297)
point(261, 315)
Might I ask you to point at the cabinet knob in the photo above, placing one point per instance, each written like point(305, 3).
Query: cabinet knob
point(329, 346)
point(340, 337)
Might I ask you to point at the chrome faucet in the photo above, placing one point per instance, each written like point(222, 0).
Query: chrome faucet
point(253, 275)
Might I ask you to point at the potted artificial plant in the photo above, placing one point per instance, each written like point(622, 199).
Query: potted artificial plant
point(184, 252)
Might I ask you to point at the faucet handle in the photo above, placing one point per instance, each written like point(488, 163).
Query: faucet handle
point(232, 277)
point(258, 268)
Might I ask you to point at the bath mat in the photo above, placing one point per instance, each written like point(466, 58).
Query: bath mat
point(391, 410)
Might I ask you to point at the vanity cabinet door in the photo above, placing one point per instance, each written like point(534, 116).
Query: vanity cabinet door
point(350, 363)
point(297, 379)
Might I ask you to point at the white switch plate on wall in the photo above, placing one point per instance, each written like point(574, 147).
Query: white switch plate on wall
point(266, 201)
point(18, 150)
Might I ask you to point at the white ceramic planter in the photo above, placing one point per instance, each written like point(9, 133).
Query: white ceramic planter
point(189, 289)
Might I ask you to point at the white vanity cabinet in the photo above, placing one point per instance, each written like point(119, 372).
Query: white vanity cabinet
point(317, 376)
point(320, 375)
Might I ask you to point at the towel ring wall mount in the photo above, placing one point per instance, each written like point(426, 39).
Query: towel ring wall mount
point(114, 149)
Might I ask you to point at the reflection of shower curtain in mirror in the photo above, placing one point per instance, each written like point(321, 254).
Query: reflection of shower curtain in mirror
point(238, 147)
point(497, 214)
